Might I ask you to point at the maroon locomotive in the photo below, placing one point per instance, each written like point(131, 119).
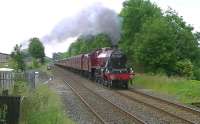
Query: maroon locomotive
point(105, 65)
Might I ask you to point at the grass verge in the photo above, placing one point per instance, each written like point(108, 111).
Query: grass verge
point(187, 91)
point(40, 106)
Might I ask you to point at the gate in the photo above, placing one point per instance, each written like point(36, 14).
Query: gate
point(9, 109)
point(6, 79)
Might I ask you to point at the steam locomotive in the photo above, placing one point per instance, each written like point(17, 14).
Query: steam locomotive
point(105, 65)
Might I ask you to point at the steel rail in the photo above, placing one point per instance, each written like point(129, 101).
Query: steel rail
point(186, 108)
point(151, 106)
point(129, 115)
point(90, 108)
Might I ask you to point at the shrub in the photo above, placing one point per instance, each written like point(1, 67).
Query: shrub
point(20, 88)
point(35, 64)
point(43, 106)
point(184, 90)
point(184, 68)
point(196, 73)
point(40, 106)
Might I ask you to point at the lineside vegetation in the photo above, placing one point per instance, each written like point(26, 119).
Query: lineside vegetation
point(186, 91)
point(40, 106)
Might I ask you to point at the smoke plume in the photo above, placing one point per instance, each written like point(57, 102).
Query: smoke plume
point(91, 21)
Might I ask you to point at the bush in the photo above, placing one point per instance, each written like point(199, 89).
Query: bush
point(184, 68)
point(20, 88)
point(35, 64)
point(184, 90)
point(196, 73)
point(40, 106)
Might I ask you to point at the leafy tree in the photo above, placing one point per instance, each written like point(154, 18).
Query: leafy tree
point(17, 58)
point(186, 42)
point(155, 46)
point(59, 56)
point(85, 44)
point(36, 49)
point(135, 13)
point(158, 40)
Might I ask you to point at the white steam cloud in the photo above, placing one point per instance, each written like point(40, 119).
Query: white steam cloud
point(91, 21)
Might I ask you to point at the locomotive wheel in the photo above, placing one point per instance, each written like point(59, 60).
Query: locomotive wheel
point(110, 84)
point(126, 85)
point(106, 83)
point(96, 80)
point(101, 81)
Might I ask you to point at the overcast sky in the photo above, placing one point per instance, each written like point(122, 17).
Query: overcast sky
point(24, 19)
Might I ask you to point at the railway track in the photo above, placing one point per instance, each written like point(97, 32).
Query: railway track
point(157, 116)
point(188, 115)
point(128, 105)
point(75, 107)
point(106, 111)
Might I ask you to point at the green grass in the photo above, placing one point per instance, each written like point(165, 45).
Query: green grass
point(187, 91)
point(41, 106)
point(3, 65)
point(40, 67)
point(43, 68)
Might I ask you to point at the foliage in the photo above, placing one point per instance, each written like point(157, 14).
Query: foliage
point(154, 47)
point(196, 73)
point(36, 49)
point(40, 106)
point(59, 56)
point(20, 88)
point(35, 63)
point(17, 61)
point(184, 68)
point(86, 44)
point(135, 13)
point(158, 40)
point(186, 91)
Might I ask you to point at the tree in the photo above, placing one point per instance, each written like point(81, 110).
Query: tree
point(165, 41)
point(17, 58)
point(85, 44)
point(134, 14)
point(158, 41)
point(36, 49)
point(155, 46)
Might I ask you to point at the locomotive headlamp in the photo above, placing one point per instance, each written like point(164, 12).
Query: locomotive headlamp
point(131, 70)
point(107, 71)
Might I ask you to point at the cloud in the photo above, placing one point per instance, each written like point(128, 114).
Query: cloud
point(92, 20)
